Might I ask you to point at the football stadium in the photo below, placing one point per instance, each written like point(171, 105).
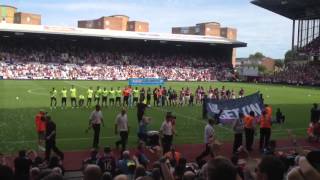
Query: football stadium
point(110, 100)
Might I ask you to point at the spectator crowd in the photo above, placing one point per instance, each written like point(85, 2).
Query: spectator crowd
point(173, 165)
point(296, 74)
point(50, 63)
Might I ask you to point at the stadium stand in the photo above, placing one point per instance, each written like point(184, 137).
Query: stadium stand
point(62, 57)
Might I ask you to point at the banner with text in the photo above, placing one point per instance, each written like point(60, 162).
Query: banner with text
point(232, 108)
point(146, 82)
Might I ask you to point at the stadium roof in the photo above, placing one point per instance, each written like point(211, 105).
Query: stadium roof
point(292, 9)
point(110, 34)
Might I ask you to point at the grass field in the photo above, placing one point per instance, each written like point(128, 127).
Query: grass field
point(17, 129)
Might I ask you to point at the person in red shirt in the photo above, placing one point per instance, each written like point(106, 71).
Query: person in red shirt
point(126, 93)
point(265, 130)
point(40, 128)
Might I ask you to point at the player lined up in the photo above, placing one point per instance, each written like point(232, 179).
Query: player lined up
point(129, 96)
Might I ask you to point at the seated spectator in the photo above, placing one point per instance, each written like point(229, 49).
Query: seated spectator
point(55, 162)
point(304, 171)
point(126, 165)
point(173, 156)
point(92, 172)
point(189, 175)
point(139, 172)
point(107, 176)
point(222, 169)
point(53, 176)
point(270, 168)
point(22, 166)
point(107, 162)
point(6, 172)
point(121, 177)
point(140, 154)
point(34, 173)
point(93, 159)
point(180, 168)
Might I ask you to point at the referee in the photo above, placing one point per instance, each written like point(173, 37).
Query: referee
point(95, 121)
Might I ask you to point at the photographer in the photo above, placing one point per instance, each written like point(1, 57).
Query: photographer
point(167, 131)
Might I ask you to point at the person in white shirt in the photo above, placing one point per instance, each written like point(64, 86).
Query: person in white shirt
point(95, 121)
point(167, 132)
point(122, 127)
point(208, 140)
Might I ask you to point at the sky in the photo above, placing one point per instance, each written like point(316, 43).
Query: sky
point(263, 30)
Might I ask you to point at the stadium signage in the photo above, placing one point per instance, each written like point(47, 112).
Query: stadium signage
point(146, 82)
point(232, 108)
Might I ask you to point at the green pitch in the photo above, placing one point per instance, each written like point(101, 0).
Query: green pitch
point(17, 129)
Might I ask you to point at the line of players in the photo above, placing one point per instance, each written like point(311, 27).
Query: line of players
point(129, 96)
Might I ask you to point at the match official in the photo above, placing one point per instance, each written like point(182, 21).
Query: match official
point(95, 121)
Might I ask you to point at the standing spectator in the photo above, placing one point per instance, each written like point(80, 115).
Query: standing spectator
point(22, 166)
point(315, 113)
point(265, 131)
point(40, 128)
point(238, 128)
point(51, 139)
point(249, 129)
point(167, 132)
point(95, 121)
point(122, 127)
point(208, 140)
